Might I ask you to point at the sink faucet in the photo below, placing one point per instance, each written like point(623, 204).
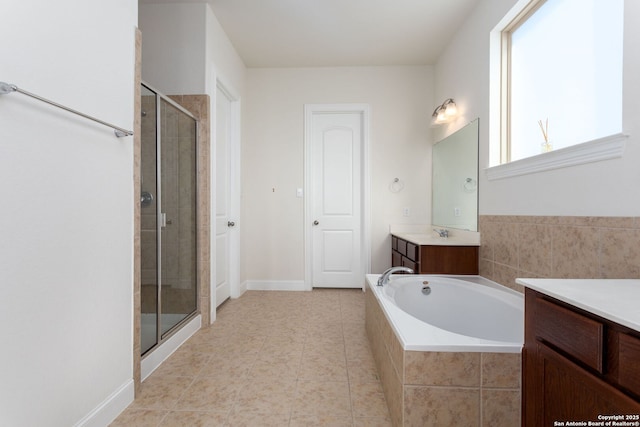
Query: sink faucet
point(384, 278)
point(442, 232)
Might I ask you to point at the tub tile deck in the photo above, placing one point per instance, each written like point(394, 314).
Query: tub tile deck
point(441, 388)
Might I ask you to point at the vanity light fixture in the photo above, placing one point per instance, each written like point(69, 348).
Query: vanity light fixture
point(445, 112)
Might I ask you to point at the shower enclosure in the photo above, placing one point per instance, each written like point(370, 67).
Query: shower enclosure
point(168, 218)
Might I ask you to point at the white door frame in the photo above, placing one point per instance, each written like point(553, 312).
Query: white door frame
point(234, 193)
point(309, 111)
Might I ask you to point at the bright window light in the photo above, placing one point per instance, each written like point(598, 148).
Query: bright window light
point(565, 76)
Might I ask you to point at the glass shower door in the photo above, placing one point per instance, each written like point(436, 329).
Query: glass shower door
point(148, 222)
point(178, 216)
point(168, 218)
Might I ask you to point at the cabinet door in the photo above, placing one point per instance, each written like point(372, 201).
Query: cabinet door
point(628, 366)
point(568, 392)
point(449, 259)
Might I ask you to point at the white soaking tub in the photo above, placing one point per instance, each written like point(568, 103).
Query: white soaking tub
point(457, 313)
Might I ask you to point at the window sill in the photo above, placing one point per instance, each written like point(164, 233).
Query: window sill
point(609, 147)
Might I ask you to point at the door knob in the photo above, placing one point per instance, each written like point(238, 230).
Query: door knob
point(231, 224)
point(316, 222)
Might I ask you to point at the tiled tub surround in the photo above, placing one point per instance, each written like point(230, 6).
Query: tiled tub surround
point(442, 388)
point(559, 247)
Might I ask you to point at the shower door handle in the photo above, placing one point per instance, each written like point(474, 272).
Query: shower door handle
point(146, 198)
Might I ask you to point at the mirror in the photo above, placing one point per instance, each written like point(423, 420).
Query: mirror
point(455, 180)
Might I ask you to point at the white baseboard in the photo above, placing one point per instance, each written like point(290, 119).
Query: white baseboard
point(243, 289)
point(275, 285)
point(110, 408)
point(152, 361)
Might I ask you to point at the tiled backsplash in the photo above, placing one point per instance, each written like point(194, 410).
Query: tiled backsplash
point(559, 247)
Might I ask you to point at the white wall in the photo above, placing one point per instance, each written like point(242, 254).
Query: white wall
point(174, 41)
point(184, 50)
point(66, 222)
point(272, 157)
point(606, 188)
point(223, 62)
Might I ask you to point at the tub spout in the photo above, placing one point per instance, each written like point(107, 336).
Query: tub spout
point(384, 278)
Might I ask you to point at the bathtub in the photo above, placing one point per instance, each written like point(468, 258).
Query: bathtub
point(457, 347)
point(461, 313)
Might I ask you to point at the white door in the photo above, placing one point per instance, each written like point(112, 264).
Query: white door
point(222, 196)
point(336, 145)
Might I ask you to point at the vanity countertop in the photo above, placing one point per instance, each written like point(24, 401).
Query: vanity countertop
point(424, 235)
point(617, 300)
point(426, 239)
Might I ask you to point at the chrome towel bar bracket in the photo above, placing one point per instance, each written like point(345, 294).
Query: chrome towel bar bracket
point(6, 88)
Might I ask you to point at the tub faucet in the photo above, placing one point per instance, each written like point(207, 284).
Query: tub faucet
point(384, 278)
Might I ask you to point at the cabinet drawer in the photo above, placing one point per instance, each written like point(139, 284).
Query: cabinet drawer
point(412, 251)
point(571, 332)
point(402, 246)
point(628, 359)
point(394, 243)
point(406, 262)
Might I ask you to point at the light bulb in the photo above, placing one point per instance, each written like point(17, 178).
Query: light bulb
point(442, 116)
point(451, 110)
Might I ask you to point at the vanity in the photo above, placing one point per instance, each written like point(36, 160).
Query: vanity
point(581, 357)
point(427, 253)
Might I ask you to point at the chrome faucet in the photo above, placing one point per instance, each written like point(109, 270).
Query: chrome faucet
point(384, 278)
point(442, 232)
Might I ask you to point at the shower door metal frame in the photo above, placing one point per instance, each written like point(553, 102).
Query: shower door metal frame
point(161, 221)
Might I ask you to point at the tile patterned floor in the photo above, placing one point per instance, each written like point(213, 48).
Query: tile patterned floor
point(270, 359)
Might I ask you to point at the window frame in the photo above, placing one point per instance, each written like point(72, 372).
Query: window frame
point(604, 148)
point(505, 76)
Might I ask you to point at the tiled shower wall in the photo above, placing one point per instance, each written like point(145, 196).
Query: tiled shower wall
point(178, 191)
point(558, 247)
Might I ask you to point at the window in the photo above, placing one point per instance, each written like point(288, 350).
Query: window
point(561, 76)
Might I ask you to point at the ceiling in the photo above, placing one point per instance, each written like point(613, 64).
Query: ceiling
point(323, 33)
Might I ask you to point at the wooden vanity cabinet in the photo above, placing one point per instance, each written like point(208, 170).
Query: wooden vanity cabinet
point(576, 366)
point(434, 259)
